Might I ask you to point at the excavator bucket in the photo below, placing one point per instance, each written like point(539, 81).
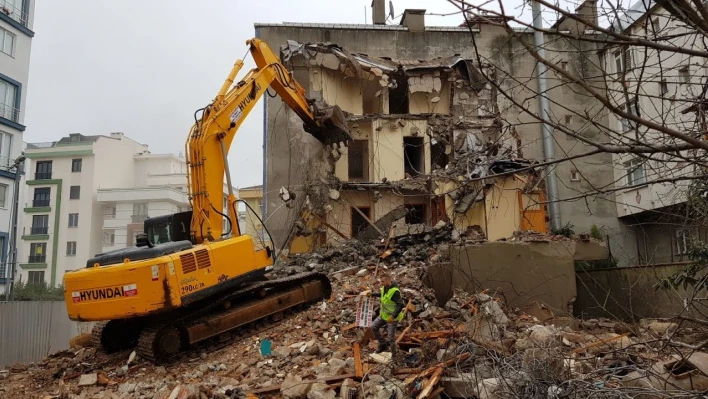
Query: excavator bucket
point(332, 127)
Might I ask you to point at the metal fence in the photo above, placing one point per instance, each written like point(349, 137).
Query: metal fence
point(31, 330)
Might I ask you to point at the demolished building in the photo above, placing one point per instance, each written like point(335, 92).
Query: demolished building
point(435, 139)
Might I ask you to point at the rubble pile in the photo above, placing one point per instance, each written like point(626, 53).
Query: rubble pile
point(472, 346)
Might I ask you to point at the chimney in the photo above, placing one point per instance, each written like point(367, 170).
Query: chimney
point(378, 12)
point(414, 20)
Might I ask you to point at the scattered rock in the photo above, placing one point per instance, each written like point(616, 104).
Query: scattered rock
point(88, 379)
point(294, 388)
point(320, 391)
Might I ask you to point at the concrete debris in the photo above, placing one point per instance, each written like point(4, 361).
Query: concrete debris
point(472, 344)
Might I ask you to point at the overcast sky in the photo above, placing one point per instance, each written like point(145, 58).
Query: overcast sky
point(142, 67)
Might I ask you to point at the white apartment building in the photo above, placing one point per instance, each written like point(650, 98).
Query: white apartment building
point(159, 188)
point(16, 20)
point(661, 86)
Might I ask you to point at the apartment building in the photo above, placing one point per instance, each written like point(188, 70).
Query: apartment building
point(159, 188)
point(666, 88)
point(16, 21)
point(426, 121)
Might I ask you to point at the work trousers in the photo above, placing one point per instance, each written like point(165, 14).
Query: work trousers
point(390, 342)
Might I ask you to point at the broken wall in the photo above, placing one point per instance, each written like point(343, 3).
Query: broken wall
point(510, 61)
point(630, 293)
point(522, 272)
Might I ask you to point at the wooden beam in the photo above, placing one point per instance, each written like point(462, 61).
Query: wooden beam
point(324, 222)
point(358, 368)
point(400, 336)
point(365, 217)
point(432, 383)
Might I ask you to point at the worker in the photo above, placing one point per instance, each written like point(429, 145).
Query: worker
point(391, 313)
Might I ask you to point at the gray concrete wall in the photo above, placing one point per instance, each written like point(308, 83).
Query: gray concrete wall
point(520, 272)
point(629, 293)
point(290, 153)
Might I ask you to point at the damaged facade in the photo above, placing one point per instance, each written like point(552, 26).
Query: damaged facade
point(429, 126)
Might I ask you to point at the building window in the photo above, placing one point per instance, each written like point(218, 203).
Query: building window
point(6, 149)
point(635, 172)
point(76, 165)
point(74, 192)
point(7, 42)
point(568, 120)
point(43, 170)
point(109, 238)
point(16, 9)
point(359, 223)
point(655, 25)
point(73, 220)
point(140, 213)
point(398, 96)
point(38, 252)
point(619, 65)
point(632, 107)
point(415, 214)
point(40, 224)
point(35, 277)
point(3, 195)
point(358, 159)
point(574, 175)
point(684, 75)
point(663, 87)
point(71, 248)
point(413, 156)
point(564, 66)
point(9, 107)
point(41, 196)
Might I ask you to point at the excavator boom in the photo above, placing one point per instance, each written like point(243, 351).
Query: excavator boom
point(187, 282)
point(211, 136)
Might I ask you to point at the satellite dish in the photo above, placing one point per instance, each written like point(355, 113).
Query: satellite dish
point(390, 9)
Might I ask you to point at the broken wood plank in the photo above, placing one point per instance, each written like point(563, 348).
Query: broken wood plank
point(358, 368)
point(401, 335)
point(362, 214)
point(599, 342)
point(326, 380)
point(432, 383)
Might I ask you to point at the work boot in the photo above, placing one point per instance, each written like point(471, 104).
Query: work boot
point(382, 347)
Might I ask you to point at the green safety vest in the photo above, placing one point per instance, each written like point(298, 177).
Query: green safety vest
point(388, 306)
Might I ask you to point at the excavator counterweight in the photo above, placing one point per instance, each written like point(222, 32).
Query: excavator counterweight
point(193, 276)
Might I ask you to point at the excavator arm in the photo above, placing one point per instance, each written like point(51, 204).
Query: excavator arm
point(211, 136)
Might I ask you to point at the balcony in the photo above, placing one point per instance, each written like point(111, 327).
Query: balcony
point(139, 218)
point(43, 176)
point(39, 230)
point(37, 259)
point(40, 203)
point(10, 113)
point(14, 12)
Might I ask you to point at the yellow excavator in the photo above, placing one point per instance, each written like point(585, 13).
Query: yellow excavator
point(188, 282)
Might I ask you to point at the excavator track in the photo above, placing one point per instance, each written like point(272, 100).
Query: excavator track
point(115, 335)
point(164, 341)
